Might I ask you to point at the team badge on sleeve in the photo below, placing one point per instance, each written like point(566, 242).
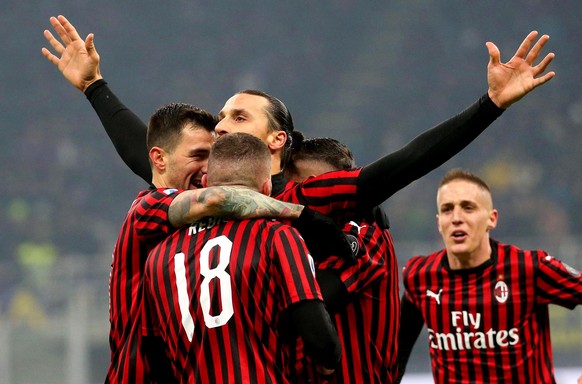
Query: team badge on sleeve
point(571, 270)
point(170, 191)
point(311, 264)
point(354, 245)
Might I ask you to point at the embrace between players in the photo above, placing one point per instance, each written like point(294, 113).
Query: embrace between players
point(205, 287)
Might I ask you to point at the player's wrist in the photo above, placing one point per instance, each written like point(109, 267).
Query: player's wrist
point(88, 83)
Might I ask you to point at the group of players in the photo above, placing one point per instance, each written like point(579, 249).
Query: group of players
point(206, 287)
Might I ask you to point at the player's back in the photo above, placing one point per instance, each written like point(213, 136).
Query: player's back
point(219, 288)
point(369, 322)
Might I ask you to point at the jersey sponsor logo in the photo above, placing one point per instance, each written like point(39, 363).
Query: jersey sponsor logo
point(169, 191)
point(353, 223)
point(354, 245)
point(436, 296)
point(468, 336)
point(501, 292)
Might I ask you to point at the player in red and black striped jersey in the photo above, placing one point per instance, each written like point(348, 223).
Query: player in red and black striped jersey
point(366, 311)
point(180, 137)
point(267, 117)
point(222, 290)
point(485, 304)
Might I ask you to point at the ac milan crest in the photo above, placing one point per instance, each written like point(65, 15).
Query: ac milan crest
point(501, 292)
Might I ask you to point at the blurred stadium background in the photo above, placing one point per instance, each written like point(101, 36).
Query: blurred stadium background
point(373, 75)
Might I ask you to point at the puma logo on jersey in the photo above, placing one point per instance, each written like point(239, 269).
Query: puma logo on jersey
point(436, 296)
point(357, 226)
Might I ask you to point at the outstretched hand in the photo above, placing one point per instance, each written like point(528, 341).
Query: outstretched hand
point(509, 82)
point(78, 61)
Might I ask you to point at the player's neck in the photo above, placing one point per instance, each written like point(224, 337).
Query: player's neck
point(275, 163)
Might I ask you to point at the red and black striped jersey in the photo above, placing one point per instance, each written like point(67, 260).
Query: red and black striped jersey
point(145, 225)
point(332, 193)
point(219, 289)
point(368, 325)
point(490, 323)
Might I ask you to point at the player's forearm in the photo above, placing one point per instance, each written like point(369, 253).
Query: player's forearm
point(381, 179)
point(333, 290)
point(125, 130)
point(314, 326)
point(229, 202)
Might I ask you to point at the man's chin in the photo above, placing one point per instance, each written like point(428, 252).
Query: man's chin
point(457, 249)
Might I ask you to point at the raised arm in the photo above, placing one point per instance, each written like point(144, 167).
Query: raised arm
point(511, 81)
point(508, 83)
point(78, 61)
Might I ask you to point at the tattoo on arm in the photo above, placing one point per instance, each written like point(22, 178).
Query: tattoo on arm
point(242, 203)
point(231, 202)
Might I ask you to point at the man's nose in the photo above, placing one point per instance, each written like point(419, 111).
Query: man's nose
point(222, 128)
point(457, 214)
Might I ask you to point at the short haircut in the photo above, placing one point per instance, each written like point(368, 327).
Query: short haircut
point(239, 159)
point(463, 174)
point(324, 149)
point(166, 124)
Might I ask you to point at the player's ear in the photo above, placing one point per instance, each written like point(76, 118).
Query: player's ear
point(438, 223)
point(204, 180)
point(492, 223)
point(158, 158)
point(277, 140)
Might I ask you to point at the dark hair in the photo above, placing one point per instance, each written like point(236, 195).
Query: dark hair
point(279, 117)
point(463, 174)
point(325, 149)
point(167, 123)
point(239, 159)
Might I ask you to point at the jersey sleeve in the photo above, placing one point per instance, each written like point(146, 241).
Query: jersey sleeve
point(330, 193)
point(295, 267)
point(125, 129)
point(151, 213)
point(557, 282)
point(391, 173)
point(372, 248)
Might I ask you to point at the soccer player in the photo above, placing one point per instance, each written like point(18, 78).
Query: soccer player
point(342, 194)
point(368, 323)
point(167, 206)
point(484, 303)
point(221, 289)
point(179, 141)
